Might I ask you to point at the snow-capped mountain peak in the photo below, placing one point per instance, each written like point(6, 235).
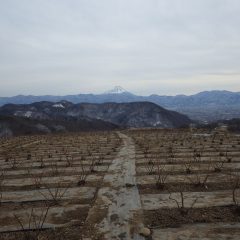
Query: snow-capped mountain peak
point(116, 90)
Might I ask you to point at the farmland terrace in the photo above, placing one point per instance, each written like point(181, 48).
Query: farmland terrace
point(134, 184)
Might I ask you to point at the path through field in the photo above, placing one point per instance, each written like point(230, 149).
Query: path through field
point(105, 186)
point(118, 202)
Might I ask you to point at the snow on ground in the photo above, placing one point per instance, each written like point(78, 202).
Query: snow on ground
point(58, 105)
point(157, 123)
point(28, 114)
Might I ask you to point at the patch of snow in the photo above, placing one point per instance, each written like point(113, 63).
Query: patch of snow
point(28, 114)
point(58, 105)
point(157, 123)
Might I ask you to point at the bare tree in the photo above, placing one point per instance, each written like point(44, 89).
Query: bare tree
point(92, 164)
point(35, 223)
point(37, 179)
point(228, 157)
point(82, 176)
point(41, 161)
point(197, 177)
point(55, 193)
point(217, 166)
point(54, 170)
point(100, 160)
point(170, 153)
point(188, 165)
point(146, 149)
point(180, 202)
point(236, 186)
point(162, 174)
point(12, 162)
point(2, 176)
point(235, 183)
point(69, 160)
point(150, 166)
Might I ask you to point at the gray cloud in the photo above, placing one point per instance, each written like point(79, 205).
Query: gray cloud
point(73, 46)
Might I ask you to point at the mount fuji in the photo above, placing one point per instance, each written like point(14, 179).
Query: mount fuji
point(117, 90)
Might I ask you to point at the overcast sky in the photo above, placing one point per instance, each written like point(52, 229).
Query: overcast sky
point(146, 46)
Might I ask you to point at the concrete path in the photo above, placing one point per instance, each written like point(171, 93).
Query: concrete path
point(117, 210)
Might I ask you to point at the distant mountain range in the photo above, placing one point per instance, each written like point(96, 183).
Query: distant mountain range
point(49, 116)
point(204, 106)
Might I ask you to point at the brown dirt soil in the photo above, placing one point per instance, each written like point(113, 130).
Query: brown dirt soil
point(174, 187)
point(140, 164)
point(70, 233)
point(164, 218)
point(33, 187)
point(62, 174)
point(184, 172)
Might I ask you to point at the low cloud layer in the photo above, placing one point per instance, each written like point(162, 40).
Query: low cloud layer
point(146, 46)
